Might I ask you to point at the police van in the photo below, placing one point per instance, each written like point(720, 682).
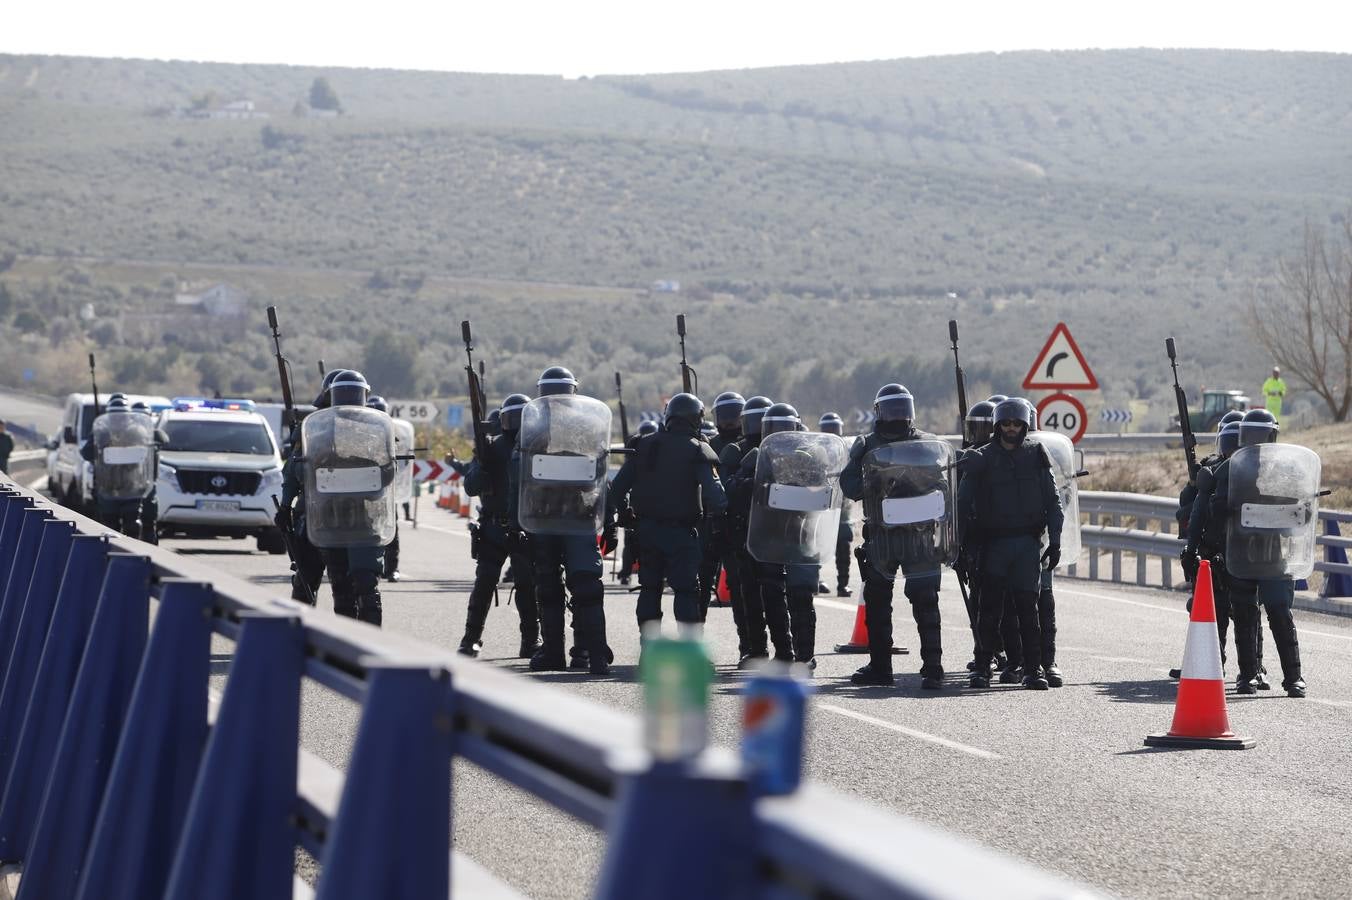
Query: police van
point(219, 472)
point(70, 479)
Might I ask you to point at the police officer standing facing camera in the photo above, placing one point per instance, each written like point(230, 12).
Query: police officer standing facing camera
point(1007, 500)
point(674, 486)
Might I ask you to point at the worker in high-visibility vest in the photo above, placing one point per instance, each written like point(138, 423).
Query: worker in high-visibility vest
point(1274, 391)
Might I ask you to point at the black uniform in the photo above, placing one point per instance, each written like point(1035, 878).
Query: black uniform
point(763, 586)
point(498, 537)
point(308, 563)
point(726, 551)
point(921, 590)
point(1006, 501)
point(674, 486)
point(1206, 540)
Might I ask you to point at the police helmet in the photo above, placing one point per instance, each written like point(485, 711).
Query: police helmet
point(685, 409)
point(708, 431)
point(348, 388)
point(1032, 420)
point(117, 395)
point(1258, 427)
point(647, 427)
point(1014, 409)
point(752, 413)
point(997, 399)
point(728, 410)
point(494, 424)
point(1227, 439)
point(780, 417)
point(140, 407)
point(894, 404)
point(375, 401)
point(831, 423)
point(556, 380)
point(979, 424)
point(1233, 415)
point(509, 415)
point(117, 403)
point(322, 398)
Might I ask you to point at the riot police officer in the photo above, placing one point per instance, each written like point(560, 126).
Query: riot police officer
point(498, 536)
point(1262, 558)
point(403, 442)
point(121, 447)
point(832, 423)
point(741, 567)
point(350, 510)
point(307, 563)
point(1007, 502)
point(625, 519)
point(894, 422)
point(671, 474)
point(562, 506)
point(719, 555)
point(150, 507)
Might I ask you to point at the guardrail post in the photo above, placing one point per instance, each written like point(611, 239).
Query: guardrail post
point(20, 576)
point(237, 839)
point(1093, 552)
point(667, 817)
point(12, 519)
point(89, 736)
point(1336, 584)
point(156, 763)
point(391, 836)
point(1142, 561)
point(30, 633)
point(52, 685)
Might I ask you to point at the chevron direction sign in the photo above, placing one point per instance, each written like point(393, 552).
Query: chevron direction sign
point(863, 418)
point(1115, 416)
point(431, 470)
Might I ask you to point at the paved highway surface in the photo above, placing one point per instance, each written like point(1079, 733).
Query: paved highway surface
point(1059, 778)
point(30, 411)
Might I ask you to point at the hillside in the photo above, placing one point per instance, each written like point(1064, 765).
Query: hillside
point(814, 215)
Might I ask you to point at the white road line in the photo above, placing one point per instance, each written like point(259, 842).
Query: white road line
point(836, 604)
point(423, 526)
point(909, 732)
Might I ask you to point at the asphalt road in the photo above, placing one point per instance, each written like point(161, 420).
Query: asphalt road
point(1059, 778)
point(31, 411)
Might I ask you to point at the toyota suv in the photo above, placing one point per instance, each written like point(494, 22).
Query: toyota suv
point(219, 472)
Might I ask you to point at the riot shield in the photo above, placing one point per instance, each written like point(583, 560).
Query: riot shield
point(349, 477)
point(795, 504)
point(1274, 511)
point(908, 503)
point(1062, 453)
point(124, 464)
point(564, 441)
point(403, 468)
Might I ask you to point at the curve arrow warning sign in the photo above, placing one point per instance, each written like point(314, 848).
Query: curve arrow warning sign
point(1060, 366)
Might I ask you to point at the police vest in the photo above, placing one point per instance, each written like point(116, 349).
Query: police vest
point(667, 476)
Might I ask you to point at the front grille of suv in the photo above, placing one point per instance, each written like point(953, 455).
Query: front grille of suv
point(198, 481)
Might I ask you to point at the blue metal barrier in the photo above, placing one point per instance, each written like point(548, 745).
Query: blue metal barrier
point(148, 796)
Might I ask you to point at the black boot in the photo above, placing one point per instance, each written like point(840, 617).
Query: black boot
point(369, 609)
point(550, 655)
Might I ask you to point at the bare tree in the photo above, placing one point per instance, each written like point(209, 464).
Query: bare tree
point(1305, 318)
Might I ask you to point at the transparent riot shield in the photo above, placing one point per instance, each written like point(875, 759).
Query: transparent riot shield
point(403, 468)
point(908, 503)
point(564, 441)
point(124, 464)
point(1064, 459)
point(349, 477)
point(795, 504)
point(1274, 511)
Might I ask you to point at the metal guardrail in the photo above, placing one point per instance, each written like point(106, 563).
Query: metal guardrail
point(1105, 531)
point(24, 462)
point(120, 781)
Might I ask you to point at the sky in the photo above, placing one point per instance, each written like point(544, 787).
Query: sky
point(591, 37)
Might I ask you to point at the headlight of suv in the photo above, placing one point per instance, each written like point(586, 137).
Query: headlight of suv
point(272, 479)
point(167, 472)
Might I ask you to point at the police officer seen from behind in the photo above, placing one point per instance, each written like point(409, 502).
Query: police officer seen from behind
point(751, 637)
point(307, 563)
point(626, 520)
point(832, 423)
point(894, 420)
point(727, 413)
point(574, 560)
point(978, 426)
point(498, 537)
point(674, 485)
point(1007, 500)
point(1277, 593)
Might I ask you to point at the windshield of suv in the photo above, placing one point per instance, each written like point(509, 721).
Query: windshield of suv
point(218, 437)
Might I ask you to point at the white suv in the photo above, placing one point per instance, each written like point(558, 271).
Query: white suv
point(218, 473)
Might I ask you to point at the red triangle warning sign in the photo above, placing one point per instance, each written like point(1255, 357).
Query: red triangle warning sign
point(1060, 365)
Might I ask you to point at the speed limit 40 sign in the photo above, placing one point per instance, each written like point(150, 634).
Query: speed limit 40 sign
point(1064, 414)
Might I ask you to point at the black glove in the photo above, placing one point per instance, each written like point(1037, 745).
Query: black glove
point(283, 519)
point(1051, 556)
point(610, 539)
point(1189, 560)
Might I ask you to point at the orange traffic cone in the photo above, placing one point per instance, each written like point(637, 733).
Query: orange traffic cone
point(444, 496)
point(464, 503)
point(1200, 717)
point(858, 642)
point(722, 593)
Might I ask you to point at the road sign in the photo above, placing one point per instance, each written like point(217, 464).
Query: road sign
point(423, 411)
point(431, 470)
point(1060, 366)
point(650, 415)
point(1063, 414)
point(863, 418)
point(1115, 416)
